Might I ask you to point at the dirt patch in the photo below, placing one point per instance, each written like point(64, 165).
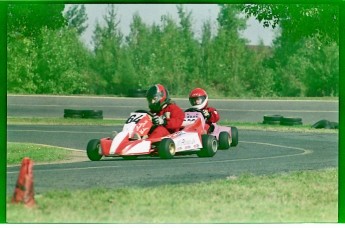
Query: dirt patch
point(75, 156)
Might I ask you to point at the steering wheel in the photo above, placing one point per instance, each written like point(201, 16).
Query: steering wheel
point(193, 110)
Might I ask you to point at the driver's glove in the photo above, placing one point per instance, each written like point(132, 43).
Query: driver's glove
point(159, 120)
point(206, 114)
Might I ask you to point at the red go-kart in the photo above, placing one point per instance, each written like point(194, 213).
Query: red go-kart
point(132, 141)
point(227, 136)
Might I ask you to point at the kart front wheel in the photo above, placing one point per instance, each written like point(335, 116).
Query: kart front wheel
point(234, 136)
point(166, 149)
point(224, 140)
point(209, 146)
point(93, 150)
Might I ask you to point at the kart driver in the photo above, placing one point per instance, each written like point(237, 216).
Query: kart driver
point(168, 116)
point(198, 98)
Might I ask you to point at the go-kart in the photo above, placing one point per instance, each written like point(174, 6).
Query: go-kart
point(227, 136)
point(132, 141)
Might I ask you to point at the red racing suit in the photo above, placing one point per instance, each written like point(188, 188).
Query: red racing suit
point(174, 119)
point(213, 118)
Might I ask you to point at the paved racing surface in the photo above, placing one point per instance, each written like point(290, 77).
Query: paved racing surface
point(237, 110)
point(258, 152)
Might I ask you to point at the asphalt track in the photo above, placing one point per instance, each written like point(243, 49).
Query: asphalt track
point(237, 110)
point(258, 152)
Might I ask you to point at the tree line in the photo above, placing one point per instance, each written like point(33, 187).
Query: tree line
point(45, 54)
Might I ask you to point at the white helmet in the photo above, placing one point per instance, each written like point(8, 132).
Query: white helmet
point(198, 98)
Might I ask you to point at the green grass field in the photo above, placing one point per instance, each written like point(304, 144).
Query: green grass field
point(297, 197)
point(120, 122)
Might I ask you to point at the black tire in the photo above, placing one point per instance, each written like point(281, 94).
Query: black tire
point(71, 113)
point(291, 121)
point(234, 136)
point(92, 114)
point(137, 93)
point(92, 150)
point(93, 117)
point(209, 146)
point(166, 149)
point(321, 124)
point(334, 125)
point(272, 117)
point(72, 116)
point(272, 122)
point(224, 141)
point(325, 124)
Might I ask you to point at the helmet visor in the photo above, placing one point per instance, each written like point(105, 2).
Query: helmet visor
point(154, 99)
point(197, 100)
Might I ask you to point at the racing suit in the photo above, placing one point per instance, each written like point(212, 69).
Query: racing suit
point(212, 118)
point(174, 119)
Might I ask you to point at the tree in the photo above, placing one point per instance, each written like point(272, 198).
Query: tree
point(258, 78)
point(107, 48)
point(190, 48)
point(62, 63)
point(229, 53)
point(76, 18)
point(299, 20)
point(27, 20)
point(306, 53)
point(21, 66)
point(206, 53)
point(140, 47)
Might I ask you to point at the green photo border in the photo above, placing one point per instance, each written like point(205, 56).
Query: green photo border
point(341, 170)
point(3, 108)
point(3, 87)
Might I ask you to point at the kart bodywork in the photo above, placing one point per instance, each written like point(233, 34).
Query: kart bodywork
point(227, 136)
point(132, 141)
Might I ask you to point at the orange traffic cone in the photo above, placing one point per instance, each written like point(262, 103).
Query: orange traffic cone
point(24, 191)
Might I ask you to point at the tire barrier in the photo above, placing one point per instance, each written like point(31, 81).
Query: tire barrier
point(281, 120)
point(85, 114)
point(272, 119)
point(325, 124)
point(291, 121)
point(137, 92)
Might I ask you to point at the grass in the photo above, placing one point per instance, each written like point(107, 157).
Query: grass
point(298, 197)
point(38, 153)
point(120, 122)
point(63, 121)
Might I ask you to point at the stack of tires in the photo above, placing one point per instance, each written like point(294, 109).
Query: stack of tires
point(85, 114)
point(281, 120)
point(326, 124)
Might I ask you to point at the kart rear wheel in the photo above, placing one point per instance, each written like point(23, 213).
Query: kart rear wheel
point(166, 149)
point(234, 136)
point(93, 150)
point(209, 146)
point(224, 140)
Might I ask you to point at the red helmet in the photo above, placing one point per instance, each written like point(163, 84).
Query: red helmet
point(198, 98)
point(157, 96)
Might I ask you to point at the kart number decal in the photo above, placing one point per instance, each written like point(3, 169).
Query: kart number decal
point(134, 118)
